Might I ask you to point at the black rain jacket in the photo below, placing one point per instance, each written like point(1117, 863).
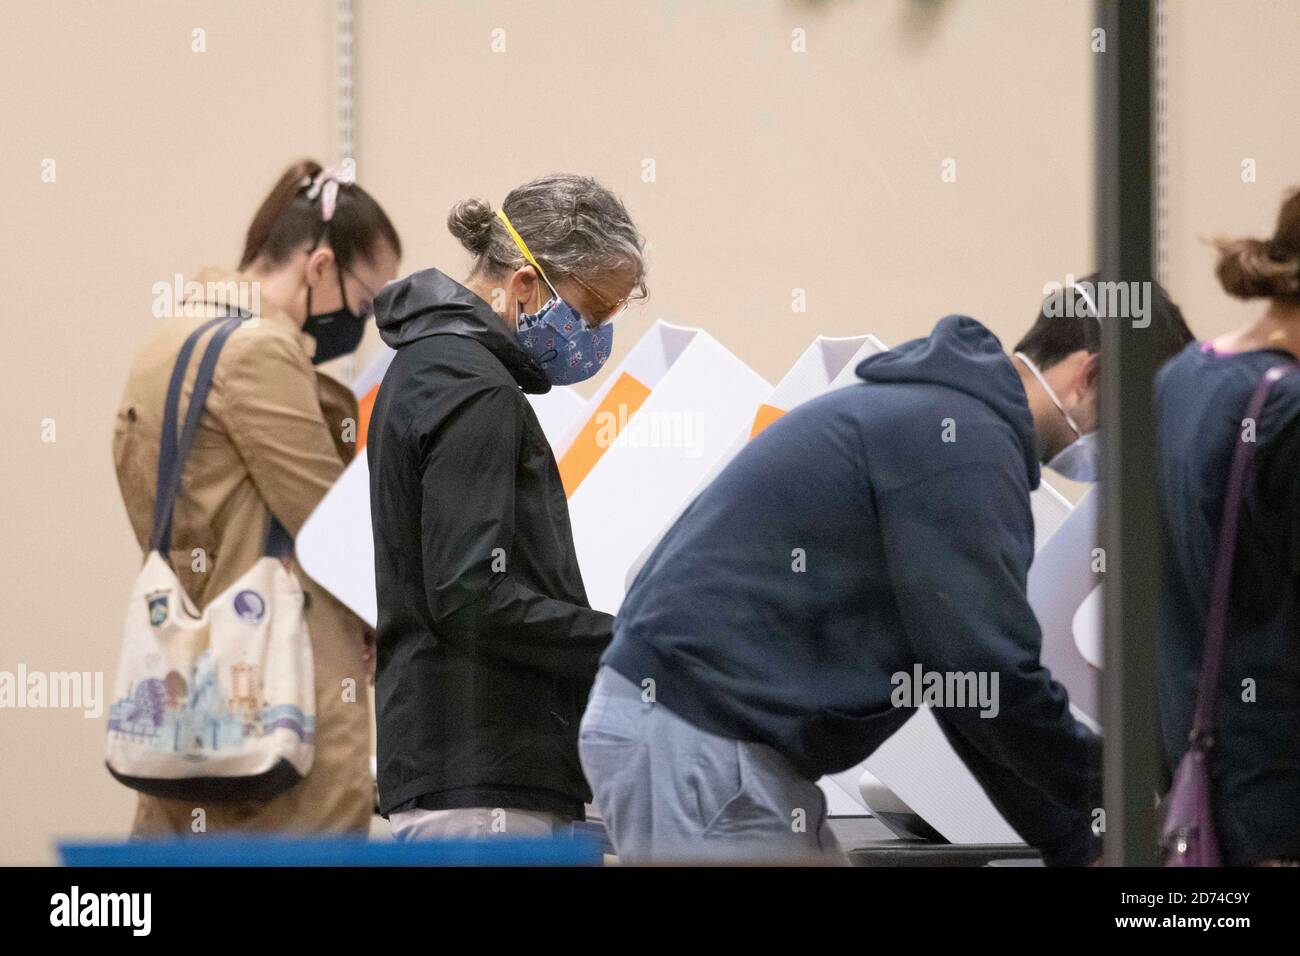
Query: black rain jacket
point(487, 645)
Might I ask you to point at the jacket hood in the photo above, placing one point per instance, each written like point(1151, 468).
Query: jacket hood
point(431, 303)
point(962, 354)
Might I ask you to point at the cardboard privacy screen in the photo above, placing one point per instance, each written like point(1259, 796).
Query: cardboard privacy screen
point(644, 442)
point(1065, 593)
point(336, 545)
point(827, 363)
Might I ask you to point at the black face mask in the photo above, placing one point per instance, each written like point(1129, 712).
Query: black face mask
point(336, 333)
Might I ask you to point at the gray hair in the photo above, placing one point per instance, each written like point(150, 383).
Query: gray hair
point(572, 224)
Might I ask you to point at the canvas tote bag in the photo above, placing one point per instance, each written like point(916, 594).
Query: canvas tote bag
point(217, 704)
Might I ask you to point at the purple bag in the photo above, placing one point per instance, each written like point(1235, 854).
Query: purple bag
point(1187, 837)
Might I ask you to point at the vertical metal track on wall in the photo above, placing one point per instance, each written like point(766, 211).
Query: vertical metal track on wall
point(1130, 531)
point(343, 88)
point(1161, 141)
point(345, 115)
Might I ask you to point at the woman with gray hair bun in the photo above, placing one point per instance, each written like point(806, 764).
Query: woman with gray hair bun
point(487, 644)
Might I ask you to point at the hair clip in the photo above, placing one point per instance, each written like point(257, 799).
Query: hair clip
point(326, 185)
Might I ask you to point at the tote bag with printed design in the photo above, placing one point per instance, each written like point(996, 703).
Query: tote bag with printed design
point(217, 703)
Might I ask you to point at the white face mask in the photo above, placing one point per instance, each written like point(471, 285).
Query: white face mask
point(1080, 460)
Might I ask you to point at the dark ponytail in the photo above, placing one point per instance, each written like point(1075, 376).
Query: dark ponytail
point(287, 220)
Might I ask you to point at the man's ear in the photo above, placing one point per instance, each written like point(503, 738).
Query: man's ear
point(1090, 370)
point(1084, 384)
point(1081, 373)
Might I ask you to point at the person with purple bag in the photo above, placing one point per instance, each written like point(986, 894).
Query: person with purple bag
point(1229, 446)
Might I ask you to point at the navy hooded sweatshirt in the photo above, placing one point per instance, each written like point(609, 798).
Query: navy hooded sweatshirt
point(878, 527)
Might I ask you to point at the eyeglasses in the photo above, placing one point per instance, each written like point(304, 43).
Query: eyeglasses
point(370, 306)
point(611, 311)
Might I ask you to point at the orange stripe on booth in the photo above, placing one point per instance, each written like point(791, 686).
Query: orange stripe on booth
point(620, 403)
point(365, 407)
point(765, 416)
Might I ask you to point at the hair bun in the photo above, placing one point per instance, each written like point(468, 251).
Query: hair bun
point(1255, 268)
point(470, 221)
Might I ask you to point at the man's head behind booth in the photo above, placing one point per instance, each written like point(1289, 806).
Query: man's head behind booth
point(1060, 354)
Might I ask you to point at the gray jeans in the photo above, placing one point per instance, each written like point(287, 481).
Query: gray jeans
point(669, 792)
point(471, 823)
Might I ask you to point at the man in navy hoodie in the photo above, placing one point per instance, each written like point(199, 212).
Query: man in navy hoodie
point(879, 527)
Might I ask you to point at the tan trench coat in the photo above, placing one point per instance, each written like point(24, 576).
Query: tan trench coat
point(272, 436)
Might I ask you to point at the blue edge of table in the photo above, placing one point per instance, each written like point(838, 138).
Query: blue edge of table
point(576, 850)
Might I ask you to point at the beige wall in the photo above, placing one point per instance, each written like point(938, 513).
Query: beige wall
point(1234, 87)
point(775, 170)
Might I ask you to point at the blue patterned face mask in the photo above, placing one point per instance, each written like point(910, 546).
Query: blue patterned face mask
point(561, 343)
point(556, 337)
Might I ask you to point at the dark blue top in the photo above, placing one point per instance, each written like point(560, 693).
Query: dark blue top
point(1201, 398)
point(881, 526)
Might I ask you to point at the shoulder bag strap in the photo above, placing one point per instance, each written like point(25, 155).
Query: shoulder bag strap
point(172, 450)
point(1216, 619)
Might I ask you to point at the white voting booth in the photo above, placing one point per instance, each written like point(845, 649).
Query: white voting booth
point(826, 364)
point(644, 442)
point(1065, 593)
point(336, 544)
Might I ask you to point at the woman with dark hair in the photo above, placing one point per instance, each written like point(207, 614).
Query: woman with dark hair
point(274, 436)
point(1201, 396)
